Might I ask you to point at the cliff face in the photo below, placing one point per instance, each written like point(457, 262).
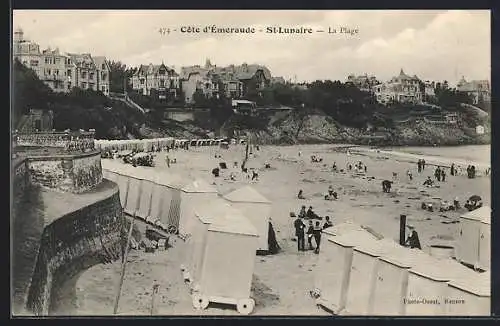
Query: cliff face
point(318, 128)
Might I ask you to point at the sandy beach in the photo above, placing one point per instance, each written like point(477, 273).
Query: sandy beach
point(282, 282)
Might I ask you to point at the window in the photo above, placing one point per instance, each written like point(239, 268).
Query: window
point(84, 74)
point(56, 60)
point(56, 72)
point(103, 66)
point(91, 76)
point(162, 83)
point(68, 72)
point(142, 81)
point(104, 76)
point(34, 63)
point(48, 72)
point(84, 85)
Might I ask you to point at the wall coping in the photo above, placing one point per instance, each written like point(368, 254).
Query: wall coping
point(56, 157)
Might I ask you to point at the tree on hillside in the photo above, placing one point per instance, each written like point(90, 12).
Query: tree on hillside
point(29, 92)
point(120, 76)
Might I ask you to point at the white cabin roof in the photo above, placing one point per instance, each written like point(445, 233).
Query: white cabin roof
point(246, 194)
point(353, 238)
point(377, 248)
point(404, 257)
point(208, 213)
point(228, 219)
point(476, 283)
point(482, 214)
point(442, 270)
point(342, 228)
point(199, 186)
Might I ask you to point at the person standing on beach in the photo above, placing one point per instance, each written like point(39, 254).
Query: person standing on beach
point(452, 169)
point(443, 175)
point(310, 234)
point(423, 164)
point(410, 175)
point(299, 233)
point(317, 236)
point(419, 166)
point(437, 174)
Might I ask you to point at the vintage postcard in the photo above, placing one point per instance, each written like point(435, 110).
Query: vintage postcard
point(207, 163)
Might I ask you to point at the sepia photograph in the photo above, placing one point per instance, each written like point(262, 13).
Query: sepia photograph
point(250, 163)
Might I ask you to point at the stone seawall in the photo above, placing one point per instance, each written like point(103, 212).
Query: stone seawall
point(73, 242)
point(67, 173)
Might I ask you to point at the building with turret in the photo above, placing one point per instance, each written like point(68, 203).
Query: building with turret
point(479, 90)
point(401, 88)
point(62, 71)
point(159, 79)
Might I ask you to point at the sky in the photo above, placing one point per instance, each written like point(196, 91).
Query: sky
point(434, 45)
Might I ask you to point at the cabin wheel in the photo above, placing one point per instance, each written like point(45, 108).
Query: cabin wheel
point(245, 306)
point(200, 301)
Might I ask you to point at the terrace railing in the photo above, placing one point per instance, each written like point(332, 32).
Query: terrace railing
point(65, 140)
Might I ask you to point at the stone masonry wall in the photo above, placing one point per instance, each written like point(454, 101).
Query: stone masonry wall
point(74, 242)
point(76, 173)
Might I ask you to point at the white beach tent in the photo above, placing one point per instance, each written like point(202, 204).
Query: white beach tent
point(473, 245)
point(364, 267)
point(165, 200)
point(204, 216)
point(194, 194)
point(429, 280)
point(228, 262)
point(147, 177)
point(392, 280)
point(134, 189)
point(256, 208)
point(474, 293)
point(334, 266)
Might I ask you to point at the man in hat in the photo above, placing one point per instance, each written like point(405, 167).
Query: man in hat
point(413, 241)
point(299, 233)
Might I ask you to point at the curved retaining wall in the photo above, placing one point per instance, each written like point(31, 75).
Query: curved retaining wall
point(72, 243)
point(75, 173)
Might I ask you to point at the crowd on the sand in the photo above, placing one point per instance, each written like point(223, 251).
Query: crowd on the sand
point(308, 224)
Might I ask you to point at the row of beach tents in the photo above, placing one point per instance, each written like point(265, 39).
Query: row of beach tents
point(223, 232)
point(148, 145)
point(360, 274)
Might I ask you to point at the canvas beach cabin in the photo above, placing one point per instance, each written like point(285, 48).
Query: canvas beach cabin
point(334, 266)
point(203, 217)
point(392, 280)
point(195, 193)
point(473, 245)
point(165, 200)
point(258, 210)
point(364, 267)
point(228, 262)
point(469, 296)
point(428, 280)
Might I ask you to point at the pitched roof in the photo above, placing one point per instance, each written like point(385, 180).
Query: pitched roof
point(100, 60)
point(81, 58)
point(482, 214)
point(199, 185)
point(152, 69)
point(228, 219)
point(246, 194)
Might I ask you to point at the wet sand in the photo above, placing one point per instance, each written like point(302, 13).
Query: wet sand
point(282, 282)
